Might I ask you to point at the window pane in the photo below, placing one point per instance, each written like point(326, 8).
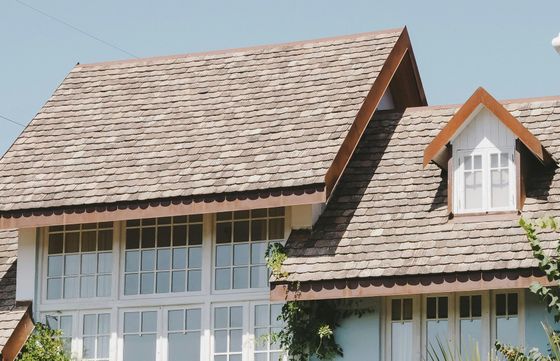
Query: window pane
point(163, 259)
point(500, 187)
point(464, 306)
point(88, 347)
point(442, 307)
point(236, 316)
point(180, 258)
point(494, 161)
point(221, 317)
point(148, 260)
point(164, 236)
point(501, 305)
point(241, 254)
point(436, 332)
point(240, 277)
point(194, 281)
point(507, 330)
point(276, 229)
point(259, 277)
point(89, 241)
point(162, 282)
point(90, 324)
point(258, 230)
point(139, 348)
point(193, 319)
point(401, 341)
point(220, 341)
point(55, 266)
point(105, 240)
point(431, 307)
point(106, 262)
point(104, 323)
point(71, 287)
point(504, 160)
point(178, 281)
point(132, 238)
point(241, 231)
point(261, 315)
point(89, 263)
point(257, 252)
point(195, 257)
point(195, 234)
point(88, 287)
point(147, 283)
point(55, 243)
point(512, 304)
point(72, 242)
point(477, 162)
point(473, 190)
point(396, 310)
point(72, 266)
point(476, 306)
point(471, 336)
point(132, 263)
point(223, 232)
point(103, 347)
point(148, 237)
point(184, 347)
point(131, 322)
point(180, 235)
point(468, 162)
point(236, 340)
point(175, 320)
point(131, 284)
point(149, 321)
point(223, 278)
point(407, 309)
point(223, 255)
point(54, 288)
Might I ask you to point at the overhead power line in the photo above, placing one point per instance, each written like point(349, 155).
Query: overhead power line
point(12, 121)
point(76, 29)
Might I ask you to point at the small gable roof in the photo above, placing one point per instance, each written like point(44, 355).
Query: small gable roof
point(480, 97)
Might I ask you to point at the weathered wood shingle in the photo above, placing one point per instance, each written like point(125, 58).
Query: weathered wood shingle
point(388, 216)
point(249, 119)
point(10, 314)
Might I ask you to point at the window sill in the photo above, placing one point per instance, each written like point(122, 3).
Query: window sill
point(484, 216)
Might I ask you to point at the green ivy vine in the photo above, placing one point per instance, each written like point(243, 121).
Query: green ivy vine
point(309, 326)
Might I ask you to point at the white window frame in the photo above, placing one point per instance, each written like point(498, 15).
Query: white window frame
point(117, 304)
point(488, 318)
point(424, 319)
point(165, 328)
point(459, 180)
point(252, 338)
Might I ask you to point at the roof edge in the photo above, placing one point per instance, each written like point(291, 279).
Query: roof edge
point(242, 49)
point(407, 285)
point(212, 203)
point(19, 336)
point(509, 101)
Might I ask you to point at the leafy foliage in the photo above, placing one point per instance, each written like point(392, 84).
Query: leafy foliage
point(44, 344)
point(309, 326)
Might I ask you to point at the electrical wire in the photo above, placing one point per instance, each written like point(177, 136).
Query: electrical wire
point(12, 121)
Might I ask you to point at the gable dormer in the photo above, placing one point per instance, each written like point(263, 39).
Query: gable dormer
point(484, 150)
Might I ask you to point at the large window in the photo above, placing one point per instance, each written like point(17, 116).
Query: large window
point(163, 255)
point(485, 181)
point(241, 241)
point(79, 261)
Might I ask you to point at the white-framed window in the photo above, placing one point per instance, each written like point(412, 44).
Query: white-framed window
point(484, 180)
point(240, 243)
point(139, 334)
point(79, 261)
point(163, 255)
point(96, 336)
point(64, 323)
point(266, 323)
point(227, 331)
point(184, 332)
point(465, 320)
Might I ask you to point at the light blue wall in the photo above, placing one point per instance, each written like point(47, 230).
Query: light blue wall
point(360, 337)
point(535, 313)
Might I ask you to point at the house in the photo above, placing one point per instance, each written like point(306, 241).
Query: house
point(144, 193)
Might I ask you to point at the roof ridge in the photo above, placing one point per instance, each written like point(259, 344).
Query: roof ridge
point(501, 101)
point(241, 49)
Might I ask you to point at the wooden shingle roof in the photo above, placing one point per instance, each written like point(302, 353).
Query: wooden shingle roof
point(252, 119)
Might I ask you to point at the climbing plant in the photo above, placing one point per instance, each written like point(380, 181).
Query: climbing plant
point(309, 326)
point(44, 344)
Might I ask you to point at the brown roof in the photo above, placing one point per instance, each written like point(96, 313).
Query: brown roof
point(212, 123)
point(10, 313)
point(389, 217)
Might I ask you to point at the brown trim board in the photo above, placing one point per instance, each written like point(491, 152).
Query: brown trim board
point(407, 285)
point(162, 207)
point(19, 336)
point(396, 57)
point(482, 97)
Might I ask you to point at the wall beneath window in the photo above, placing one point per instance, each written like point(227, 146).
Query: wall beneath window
point(535, 313)
point(360, 337)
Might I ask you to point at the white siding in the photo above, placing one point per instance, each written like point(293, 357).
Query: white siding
point(483, 130)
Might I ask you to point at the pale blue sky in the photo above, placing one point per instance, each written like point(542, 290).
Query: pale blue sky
point(501, 45)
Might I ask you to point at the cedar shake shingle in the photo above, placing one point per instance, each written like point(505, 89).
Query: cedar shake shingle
point(388, 216)
point(10, 314)
point(200, 124)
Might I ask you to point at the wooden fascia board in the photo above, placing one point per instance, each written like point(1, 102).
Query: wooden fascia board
point(18, 337)
point(482, 97)
point(405, 286)
point(120, 214)
point(381, 84)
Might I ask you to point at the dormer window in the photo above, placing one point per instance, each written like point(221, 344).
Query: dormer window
point(485, 152)
point(484, 181)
